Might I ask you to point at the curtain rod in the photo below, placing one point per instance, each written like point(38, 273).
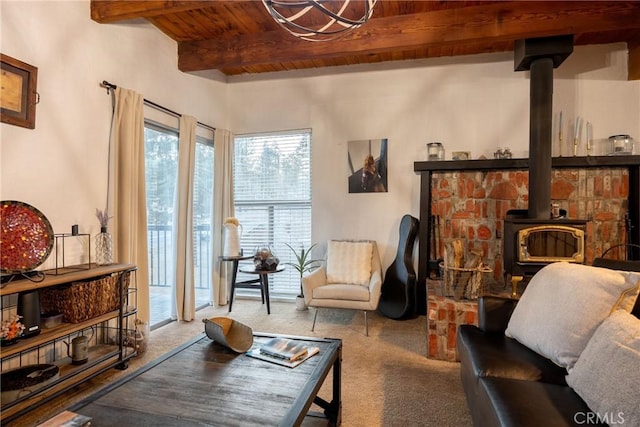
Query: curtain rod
point(109, 86)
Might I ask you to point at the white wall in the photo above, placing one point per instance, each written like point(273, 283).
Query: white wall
point(476, 103)
point(60, 167)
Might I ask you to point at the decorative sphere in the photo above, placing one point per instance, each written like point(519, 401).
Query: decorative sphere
point(319, 20)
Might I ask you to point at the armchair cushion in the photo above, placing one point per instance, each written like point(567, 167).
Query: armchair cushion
point(342, 292)
point(349, 262)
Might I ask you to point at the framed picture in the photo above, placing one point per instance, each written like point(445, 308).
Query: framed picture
point(367, 166)
point(18, 97)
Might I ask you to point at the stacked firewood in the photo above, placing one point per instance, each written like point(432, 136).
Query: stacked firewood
point(462, 271)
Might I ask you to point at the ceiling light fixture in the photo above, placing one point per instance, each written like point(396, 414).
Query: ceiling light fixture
point(320, 20)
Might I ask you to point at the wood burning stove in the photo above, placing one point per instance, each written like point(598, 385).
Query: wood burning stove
point(531, 243)
point(550, 243)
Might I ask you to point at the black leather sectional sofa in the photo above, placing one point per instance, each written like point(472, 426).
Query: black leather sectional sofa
point(507, 384)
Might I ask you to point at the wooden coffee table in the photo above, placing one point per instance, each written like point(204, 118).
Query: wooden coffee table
point(204, 383)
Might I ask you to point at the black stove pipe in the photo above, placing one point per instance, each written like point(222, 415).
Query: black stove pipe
point(540, 122)
point(541, 56)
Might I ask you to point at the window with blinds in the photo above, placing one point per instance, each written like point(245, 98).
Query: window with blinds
point(272, 192)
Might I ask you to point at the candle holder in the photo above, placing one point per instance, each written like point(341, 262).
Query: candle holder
point(560, 135)
point(435, 151)
point(620, 145)
point(576, 137)
point(589, 138)
point(81, 240)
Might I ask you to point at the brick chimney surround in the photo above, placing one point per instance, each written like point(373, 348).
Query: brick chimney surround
point(471, 198)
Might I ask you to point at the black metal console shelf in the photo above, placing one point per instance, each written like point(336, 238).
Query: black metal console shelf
point(426, 169)
point(109, 347)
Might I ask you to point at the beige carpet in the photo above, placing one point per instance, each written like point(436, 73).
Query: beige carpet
point(387, 379)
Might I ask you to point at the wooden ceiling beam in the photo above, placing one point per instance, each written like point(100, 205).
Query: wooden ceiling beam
point(499, 22)
point(105, 11)
point(634, 58)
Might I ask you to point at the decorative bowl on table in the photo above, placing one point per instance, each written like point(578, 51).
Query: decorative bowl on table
point(27, 379)
point(229, 333)
point(265, 259)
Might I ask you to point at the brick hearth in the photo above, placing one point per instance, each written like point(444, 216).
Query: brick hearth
point(444, 317)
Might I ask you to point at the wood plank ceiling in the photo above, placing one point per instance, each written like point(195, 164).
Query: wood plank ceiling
point(239, 36)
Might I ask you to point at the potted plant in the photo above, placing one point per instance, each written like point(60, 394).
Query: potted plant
point(302, 264)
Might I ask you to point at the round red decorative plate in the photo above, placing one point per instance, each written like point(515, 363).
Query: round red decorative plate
point(26, 237)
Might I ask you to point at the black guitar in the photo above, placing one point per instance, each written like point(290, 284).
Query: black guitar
point(399, 287)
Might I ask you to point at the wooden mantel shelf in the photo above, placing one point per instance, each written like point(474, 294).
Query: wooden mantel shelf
point(426, 169)
point(506, 164)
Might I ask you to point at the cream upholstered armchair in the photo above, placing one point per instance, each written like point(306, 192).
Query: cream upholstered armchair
point(351, 279)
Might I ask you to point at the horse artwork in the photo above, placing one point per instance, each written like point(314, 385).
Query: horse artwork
point(371, 177)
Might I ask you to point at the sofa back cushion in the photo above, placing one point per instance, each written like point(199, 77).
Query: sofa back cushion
point(563, 305)
point(626, 265)
point(607, 373)
point(349, 262)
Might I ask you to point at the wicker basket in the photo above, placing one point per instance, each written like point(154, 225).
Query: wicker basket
point(80, 301)
point(463, 283)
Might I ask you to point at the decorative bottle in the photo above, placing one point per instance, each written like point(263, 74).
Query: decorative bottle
point(104, 247)
point(231, 230)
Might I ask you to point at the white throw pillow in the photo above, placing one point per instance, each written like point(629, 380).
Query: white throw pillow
point(349, 262)
point(563, 305)
point(607, 374)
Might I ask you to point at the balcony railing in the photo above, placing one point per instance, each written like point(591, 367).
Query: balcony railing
point(161, 255)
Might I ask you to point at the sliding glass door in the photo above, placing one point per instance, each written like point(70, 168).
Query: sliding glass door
point(161, 163)
point(161, 169)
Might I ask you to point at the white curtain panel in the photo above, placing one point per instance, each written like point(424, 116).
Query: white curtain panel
point(128, 191)
point(183, 220)
point(223, 207)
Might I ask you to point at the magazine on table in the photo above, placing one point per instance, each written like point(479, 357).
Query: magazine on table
point(283, 351)
point(67, 419)
point(284, 348)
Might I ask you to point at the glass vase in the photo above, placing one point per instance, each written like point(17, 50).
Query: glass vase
point(104, 247)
